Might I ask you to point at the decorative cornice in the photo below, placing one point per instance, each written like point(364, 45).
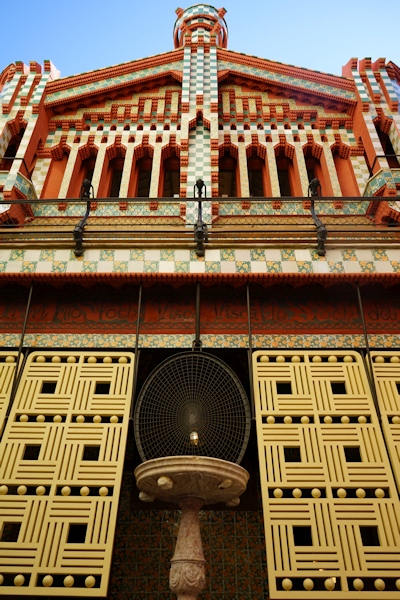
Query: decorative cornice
point(114, 71)
point(178, 279)
point(289, 70)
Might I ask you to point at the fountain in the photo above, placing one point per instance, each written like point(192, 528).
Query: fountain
point(191, 482)
point(192, 425)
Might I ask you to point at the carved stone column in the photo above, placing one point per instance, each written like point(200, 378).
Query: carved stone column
point(187, 577)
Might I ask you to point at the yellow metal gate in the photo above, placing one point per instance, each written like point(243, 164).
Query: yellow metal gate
point(331, 507)
point(61, 462)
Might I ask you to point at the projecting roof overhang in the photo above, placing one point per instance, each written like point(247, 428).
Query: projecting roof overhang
point(207, 279)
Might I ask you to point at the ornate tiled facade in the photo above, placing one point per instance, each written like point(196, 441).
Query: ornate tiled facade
point(255, 278)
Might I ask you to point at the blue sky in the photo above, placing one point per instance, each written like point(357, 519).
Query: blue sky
point(85, 35)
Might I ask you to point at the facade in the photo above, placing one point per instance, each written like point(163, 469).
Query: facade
point(295, 287)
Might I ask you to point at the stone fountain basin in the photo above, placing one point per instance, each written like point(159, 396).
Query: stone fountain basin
point(173, 478)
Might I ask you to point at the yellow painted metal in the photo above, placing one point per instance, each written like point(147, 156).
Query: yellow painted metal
point(61, 463)
point(7, 373)
point(331, 507)
point(386, 368)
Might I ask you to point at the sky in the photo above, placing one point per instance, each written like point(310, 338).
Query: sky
point(84, 35)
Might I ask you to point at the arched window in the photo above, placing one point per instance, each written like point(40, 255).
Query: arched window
point(256, 173)
point(227, 176)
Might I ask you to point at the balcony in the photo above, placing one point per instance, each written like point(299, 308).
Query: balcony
point(169, 223)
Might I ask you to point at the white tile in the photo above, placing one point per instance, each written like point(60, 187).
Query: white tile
point(289, 266)
point(242, 255)
point(135, 266)
point(228, 266)
point(364, 254)
point(33, 255)
point(213, 255)
point(105, 266)
point(152, 255)
point(121, 255)
point(64, 255)
point(182, 255)
point(320, 266)
point(352, 266)
point(74, 266)
point(273, 255)
point(5, 255)
point(258, 266)
point(383, 266)
point(334, 255)
point(393, 255)
point(302, 254)
point(166, 266)
point(197, 267)
point(44, 266)
point(14, 266)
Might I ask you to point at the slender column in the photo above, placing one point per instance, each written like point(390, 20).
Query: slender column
point(68, 172)
point(301, 168)
point(187, 577)
point(98, 169)
point(273, 171)
point(243, 172)
point(126, 173)
point(155, 171)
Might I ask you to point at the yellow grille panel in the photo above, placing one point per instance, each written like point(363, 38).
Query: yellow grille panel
point(331, 508)
point(386, 367)
point(7, 372)
point(61, 462)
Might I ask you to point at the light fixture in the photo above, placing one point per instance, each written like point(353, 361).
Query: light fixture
point(87, 192)
point(200, 228)
point(314, 191)
point(194, 438)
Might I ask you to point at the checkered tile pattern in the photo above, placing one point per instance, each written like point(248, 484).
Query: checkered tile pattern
point(40, 173)
point(282, 79)
point(9, 89)
point(112, 81)
point(360, 171)
point(5, 138)
point(364, 96)
point(215, 261)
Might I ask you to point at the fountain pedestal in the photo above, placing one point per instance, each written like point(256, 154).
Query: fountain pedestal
point(190, 482)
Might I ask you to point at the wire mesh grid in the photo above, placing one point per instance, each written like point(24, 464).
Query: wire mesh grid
point(192, 392)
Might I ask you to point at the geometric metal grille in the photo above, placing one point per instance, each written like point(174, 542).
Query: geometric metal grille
point(192, 392)
point(7, 371)
point(331, 508)
point(386, 369)
point(61, 463)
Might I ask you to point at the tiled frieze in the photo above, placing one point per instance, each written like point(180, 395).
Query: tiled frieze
point(111, 82)
point(273, 341)
point(281, 79)
point(229, 261)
